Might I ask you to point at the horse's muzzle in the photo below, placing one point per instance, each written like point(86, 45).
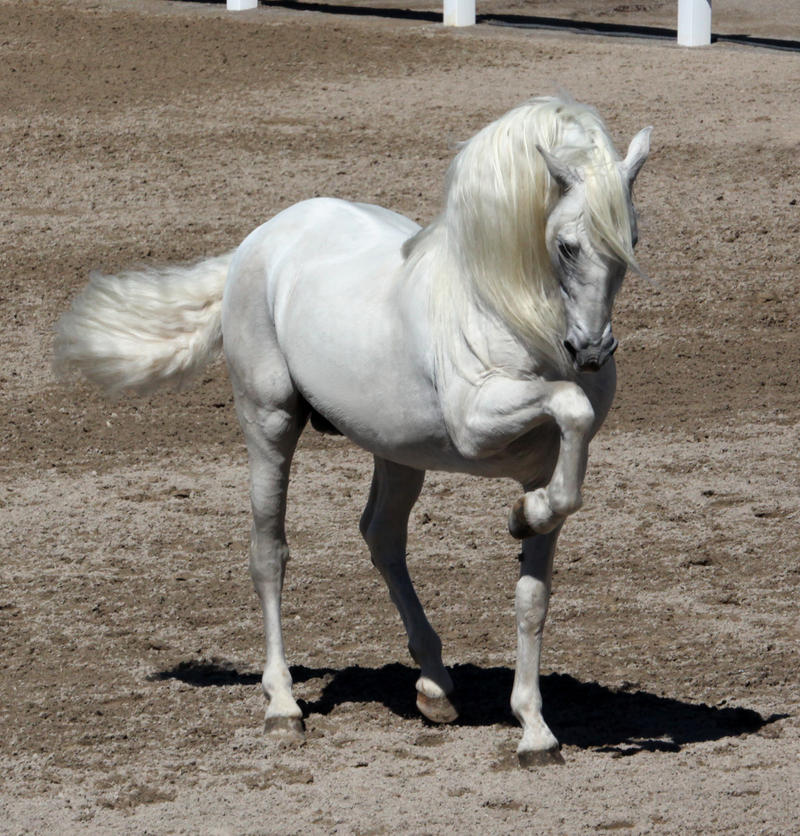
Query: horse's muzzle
point(591, 357)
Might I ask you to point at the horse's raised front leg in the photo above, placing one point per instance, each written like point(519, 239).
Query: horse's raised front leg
point(540, 510)
point(538, 744)
point(491, 417)
point(384, 526)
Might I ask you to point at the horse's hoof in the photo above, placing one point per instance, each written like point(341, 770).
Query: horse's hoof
point(518, 526)
point(530, 759)
point(436, 709)
point(287, 726)
point(532, 514)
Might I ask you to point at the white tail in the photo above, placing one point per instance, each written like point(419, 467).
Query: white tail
point(144, 328)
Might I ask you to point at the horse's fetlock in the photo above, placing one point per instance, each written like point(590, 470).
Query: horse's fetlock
point(424, 647)
point(564, 503)
point(426, 685)
point(276, 680)
point(525, 704)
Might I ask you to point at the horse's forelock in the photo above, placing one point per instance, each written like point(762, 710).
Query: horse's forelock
point(608, 207)
point(582, 141)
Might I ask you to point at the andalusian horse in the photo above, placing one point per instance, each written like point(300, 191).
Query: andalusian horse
point(480, 344)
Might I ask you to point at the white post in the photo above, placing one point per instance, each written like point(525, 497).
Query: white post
point(241, 5)
point(694, 22)
point(459, 13)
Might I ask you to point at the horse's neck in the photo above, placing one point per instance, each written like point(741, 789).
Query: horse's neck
point(486, 345)
point(470, 341)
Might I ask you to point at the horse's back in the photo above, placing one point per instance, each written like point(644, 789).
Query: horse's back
point(321, 241)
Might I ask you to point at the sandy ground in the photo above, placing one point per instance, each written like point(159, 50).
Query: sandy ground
point(131, 639)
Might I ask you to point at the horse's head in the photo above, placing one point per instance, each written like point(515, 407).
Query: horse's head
point(590, 242)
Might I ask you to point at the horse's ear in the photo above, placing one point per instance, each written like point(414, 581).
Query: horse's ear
point(563, 174)
point(637, 154)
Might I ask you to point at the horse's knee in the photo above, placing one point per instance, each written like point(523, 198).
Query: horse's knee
point(572, 409)
point(530, 600)
point(369, 532)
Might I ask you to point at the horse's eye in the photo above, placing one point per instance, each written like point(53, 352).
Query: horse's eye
point(568, 252)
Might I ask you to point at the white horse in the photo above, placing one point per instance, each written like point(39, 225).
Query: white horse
point(480, 344)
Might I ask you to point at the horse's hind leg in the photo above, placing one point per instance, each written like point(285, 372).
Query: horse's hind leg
point(272, 414)
point(384, 526)
point(271, 434)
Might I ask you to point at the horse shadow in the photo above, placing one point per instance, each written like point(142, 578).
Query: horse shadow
point(583, 714)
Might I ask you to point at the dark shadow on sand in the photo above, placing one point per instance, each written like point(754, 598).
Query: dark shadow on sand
point(583, 714)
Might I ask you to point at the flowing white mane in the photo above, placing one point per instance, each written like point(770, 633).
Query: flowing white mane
point(488, 244)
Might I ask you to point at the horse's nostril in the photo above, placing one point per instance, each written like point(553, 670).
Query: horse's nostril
point(571, 350)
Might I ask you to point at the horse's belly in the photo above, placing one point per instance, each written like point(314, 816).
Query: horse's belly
point(360, 375)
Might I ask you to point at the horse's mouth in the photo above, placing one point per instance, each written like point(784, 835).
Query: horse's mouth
point(590, 365)
point(592, 358)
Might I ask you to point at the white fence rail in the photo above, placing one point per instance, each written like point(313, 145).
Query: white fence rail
point(694, 17)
